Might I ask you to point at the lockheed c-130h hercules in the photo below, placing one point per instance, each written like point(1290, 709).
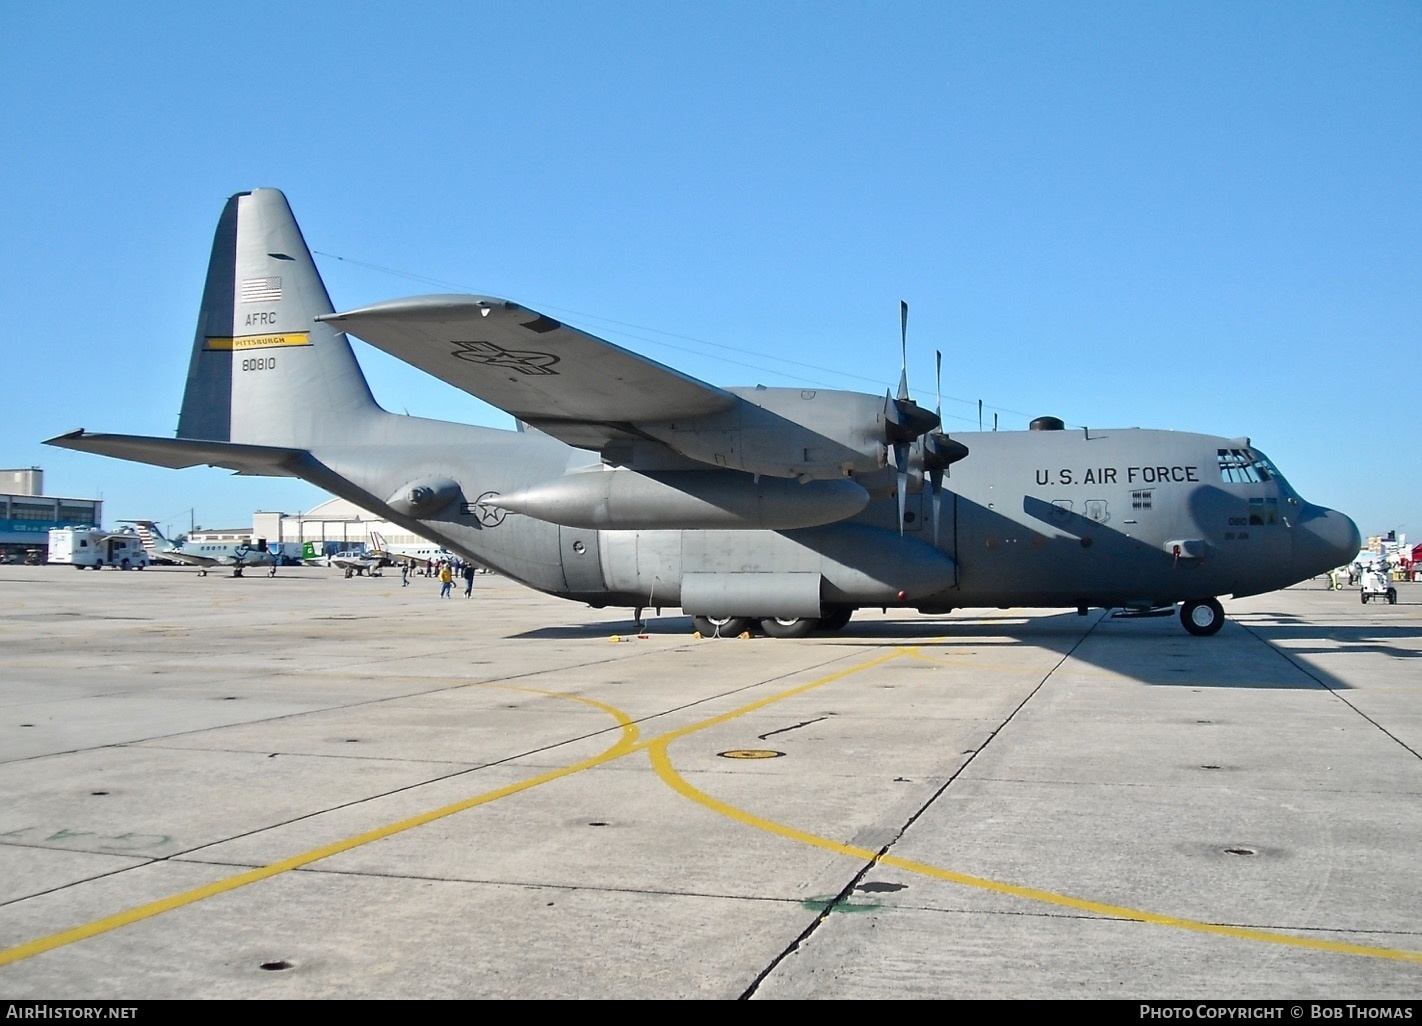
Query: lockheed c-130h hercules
point(630, 484)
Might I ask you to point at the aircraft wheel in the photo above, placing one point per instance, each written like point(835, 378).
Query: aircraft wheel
point(721, 626)
point(798, 627)
point(836, 619)
point(349, 573)
point(1202, 617)
point(1365, 597)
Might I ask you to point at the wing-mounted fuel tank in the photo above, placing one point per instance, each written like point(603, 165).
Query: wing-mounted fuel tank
point(622, 499)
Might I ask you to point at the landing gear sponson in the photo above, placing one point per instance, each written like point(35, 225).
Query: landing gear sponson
point(1201, 617)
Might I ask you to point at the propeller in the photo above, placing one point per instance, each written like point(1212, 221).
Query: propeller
point(904, 420)
point(939, 451)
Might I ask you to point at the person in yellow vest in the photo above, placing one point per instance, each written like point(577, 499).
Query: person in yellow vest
point(446, 580)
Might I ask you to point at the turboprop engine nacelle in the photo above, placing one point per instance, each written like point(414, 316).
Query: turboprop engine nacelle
point(621, 499)
point(784, 432)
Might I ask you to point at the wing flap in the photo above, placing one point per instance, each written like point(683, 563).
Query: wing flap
point(572, 385)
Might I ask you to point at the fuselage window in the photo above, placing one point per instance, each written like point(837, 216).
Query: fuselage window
point(1263, 512)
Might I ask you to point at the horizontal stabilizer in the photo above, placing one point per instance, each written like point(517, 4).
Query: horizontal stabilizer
point(257, 460)
point(177, 453)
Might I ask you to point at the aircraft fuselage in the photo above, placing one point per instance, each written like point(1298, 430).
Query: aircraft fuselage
point(1070, 518)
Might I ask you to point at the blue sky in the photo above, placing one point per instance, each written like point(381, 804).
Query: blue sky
point(1194, 216)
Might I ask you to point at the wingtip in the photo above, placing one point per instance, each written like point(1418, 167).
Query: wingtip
point(68, 436)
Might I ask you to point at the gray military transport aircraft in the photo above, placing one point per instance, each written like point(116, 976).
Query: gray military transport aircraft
point(630, 484)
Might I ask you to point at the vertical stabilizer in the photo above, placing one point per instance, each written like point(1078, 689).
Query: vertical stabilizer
point(263, 371)
point(151, 538)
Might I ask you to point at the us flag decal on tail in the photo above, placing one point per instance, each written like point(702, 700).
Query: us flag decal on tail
point(261, 290)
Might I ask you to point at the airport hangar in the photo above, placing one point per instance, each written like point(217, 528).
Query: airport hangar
point(333, 526)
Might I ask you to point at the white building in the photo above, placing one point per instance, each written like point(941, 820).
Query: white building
point(334, 525)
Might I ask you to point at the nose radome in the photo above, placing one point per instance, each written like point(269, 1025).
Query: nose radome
point(1325, 539)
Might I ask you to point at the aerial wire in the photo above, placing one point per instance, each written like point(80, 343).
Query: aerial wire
point(469, 290)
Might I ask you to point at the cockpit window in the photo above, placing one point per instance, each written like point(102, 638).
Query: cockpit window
point(1263, 512)
point(1244, 466)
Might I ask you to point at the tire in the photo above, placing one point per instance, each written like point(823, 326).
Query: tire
point(1365, 597)
point(721, 626)
point(124, 565)
point(799, 627)
point(1202, 617)
point(836, 619)
point(1392, 596)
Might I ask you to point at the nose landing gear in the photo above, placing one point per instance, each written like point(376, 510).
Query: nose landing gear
point(1202, 617)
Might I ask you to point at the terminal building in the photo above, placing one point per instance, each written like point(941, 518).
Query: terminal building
point(27, 515)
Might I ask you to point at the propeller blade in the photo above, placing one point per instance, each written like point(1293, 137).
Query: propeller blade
point(938, 384)
point(903, 351)
point(901, 459)
point(904, 419)
point(933, 484)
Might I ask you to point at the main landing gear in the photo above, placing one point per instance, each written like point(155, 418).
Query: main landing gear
point(772, 627)
point(721, 626)
point(1202, 617)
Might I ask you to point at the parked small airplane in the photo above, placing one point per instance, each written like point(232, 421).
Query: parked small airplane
point(206, 555)
point(357, 564)
point(422, 555)
point(631, 484)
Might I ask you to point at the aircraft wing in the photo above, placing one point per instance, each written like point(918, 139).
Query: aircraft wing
point(565, 382)
point(405, 557)
point(188, 558)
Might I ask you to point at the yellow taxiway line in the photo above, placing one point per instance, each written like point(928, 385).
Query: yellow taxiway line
point(656, 749)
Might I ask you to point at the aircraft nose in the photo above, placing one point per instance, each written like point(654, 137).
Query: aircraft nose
point(1325, 539)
